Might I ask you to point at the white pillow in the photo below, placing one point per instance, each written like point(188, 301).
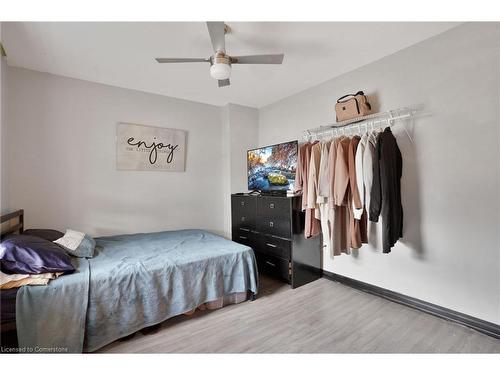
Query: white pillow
point(77, 243)
point(71, 239)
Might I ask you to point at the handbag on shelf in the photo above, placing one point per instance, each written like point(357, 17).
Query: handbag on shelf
point(351, 106)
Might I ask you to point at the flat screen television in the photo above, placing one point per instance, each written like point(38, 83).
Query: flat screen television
point(272, 168)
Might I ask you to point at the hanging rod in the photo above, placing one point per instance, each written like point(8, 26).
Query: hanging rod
point(372, 120)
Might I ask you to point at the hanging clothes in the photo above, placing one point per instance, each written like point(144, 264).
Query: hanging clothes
point(300, 186)
point(312, 190)
point(341, 178)
point(324, 171)
point(341, 199)
point(353, 185)
point(303, 172)
point(332, 158)
point(358, 161)
point(313, 178)
point(368, 155)
point(345, 181)
point(323, 194)
point(312, 225)
point(360, 214)
point(385, 196)
point(358, 227)
point(299, 172)
point(337, 218)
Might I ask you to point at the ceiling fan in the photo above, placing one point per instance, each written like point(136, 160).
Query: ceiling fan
point(220, 62)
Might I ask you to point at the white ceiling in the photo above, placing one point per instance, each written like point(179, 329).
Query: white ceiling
point(122, 54)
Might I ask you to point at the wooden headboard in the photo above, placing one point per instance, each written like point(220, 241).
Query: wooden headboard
point(15, 222)
point(10, 223)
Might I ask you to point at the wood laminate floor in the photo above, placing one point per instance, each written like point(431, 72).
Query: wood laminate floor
point(320, 317)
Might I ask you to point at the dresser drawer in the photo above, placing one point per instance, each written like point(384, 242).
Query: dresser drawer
point(274, 208)
point(246, 237)
point(274, 227)
point(243, 212)
point(243, 221)
point(244, 203)
point(273, 266)
point(275, 246)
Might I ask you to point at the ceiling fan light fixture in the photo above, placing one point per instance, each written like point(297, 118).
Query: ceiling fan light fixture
point(220, 62)
point(220, 71)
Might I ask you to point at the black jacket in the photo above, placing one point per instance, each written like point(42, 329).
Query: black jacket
point(385, 196)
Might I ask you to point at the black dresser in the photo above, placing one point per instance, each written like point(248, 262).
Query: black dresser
point(274, 228)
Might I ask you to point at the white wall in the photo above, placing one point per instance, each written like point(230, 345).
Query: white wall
point(241, 125)
point(61, 158)
point(244, 122)
point(451, 175)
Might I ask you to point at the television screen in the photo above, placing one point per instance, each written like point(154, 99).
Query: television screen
point(272, 167)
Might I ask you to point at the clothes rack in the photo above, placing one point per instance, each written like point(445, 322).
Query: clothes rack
point(360, 124)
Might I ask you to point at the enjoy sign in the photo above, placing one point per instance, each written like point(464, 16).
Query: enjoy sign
point(149, 148)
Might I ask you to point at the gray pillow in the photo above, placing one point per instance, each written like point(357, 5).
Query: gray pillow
point(46, 234)
point(78, 244)
point(86, 248)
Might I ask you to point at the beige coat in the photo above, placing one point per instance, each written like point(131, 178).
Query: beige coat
point(341, 237)
point(312, 225)
point(313, 179)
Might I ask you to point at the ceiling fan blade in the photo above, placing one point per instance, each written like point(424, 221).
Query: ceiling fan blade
point(258, 59)
point(224, 82)
point(179, 60)
point(216, 31)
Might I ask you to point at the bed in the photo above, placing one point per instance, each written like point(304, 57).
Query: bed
point(132, 282)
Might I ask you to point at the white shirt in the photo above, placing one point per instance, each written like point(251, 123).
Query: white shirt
point(358, 162)
point(368, 158)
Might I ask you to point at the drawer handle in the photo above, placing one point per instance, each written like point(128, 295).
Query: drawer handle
point(271, 224)
point(271, 245)
point(244, 238)
point(245, 229)
point(270, 264)
point(242, 203)
point(243, 218)
point(271, 205)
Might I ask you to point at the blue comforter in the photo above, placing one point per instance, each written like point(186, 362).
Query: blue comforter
point(133, 281)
